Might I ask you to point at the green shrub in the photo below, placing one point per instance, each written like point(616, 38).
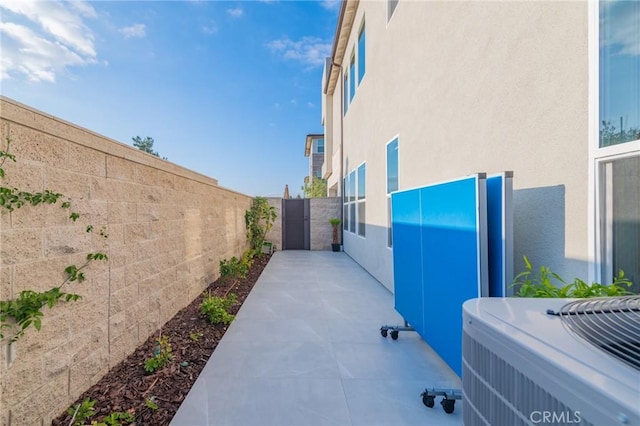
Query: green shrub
point(216, 309)
point(81, 412)
point(116, 419)
point(233, 268)
point(161, 355)
point(550, 284)
point(248, 257)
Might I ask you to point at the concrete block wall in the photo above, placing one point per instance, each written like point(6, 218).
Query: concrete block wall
point(167, 228)
point(275, 234)
point(321, 210)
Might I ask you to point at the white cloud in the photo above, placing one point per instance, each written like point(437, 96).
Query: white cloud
point(311, 104)
point(55, 38)
point(209, 29)
point(25, 52)
point(135, 30)
point(330, 4)
point(293, 102)
point(310, 51)
point(236, 12)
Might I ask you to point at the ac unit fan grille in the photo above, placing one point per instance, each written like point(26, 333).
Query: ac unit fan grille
point(496, 393)
point(611, 324)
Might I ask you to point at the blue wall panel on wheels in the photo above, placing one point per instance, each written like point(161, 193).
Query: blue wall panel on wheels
point(440, 255)
point(453, 219)
point(407, 257)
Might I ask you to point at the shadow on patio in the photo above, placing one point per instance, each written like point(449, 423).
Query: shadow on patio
point(305, 349)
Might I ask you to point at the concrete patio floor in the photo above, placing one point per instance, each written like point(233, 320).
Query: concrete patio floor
point(305, 349)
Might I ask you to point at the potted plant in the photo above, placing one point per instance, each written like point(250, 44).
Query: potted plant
point(335, 223)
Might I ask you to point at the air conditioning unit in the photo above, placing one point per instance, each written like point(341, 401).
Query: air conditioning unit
point(551, 361)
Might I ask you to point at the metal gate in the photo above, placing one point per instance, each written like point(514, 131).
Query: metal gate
point(296, 230)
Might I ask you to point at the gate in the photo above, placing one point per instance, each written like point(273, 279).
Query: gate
point(296, 230)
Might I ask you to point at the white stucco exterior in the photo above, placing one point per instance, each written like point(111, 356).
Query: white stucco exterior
point(469, 87)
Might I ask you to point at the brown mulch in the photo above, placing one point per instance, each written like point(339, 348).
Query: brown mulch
point(127, 386)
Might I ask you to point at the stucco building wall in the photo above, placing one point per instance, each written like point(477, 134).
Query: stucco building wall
point(472, 87)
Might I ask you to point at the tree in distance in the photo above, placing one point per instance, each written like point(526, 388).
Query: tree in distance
point(146, 145)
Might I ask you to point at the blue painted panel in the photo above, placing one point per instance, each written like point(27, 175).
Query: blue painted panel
point(451, 249)
point(407, 257)
point(495, 240)
point(500, 233)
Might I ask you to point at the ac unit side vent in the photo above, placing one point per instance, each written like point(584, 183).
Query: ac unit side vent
point(496, 393)
point(611, 324)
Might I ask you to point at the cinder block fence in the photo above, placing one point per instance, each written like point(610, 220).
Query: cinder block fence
point(167, 228)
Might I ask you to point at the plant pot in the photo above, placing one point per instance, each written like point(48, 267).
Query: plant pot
point(335, 246)
point(267, 247)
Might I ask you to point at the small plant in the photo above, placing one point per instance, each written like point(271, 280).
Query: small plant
point(81, 412)
point(233, 268)
point(115, 419)
point(195, 335)
point(543, 285)
point(335, 224)
point(161, 355)
point(216, 309)
point(248, 258)
point(150, 403)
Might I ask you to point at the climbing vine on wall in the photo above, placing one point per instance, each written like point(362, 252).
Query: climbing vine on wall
point(26, 310)
point(259, 220)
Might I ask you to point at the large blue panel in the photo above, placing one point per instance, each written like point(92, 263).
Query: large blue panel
point(453, 250)
point(407, 257)
point(500, 233)
point(495, 236)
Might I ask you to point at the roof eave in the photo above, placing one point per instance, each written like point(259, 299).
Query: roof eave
point(343, 29)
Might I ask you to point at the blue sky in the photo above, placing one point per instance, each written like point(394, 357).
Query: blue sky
point(226, 88)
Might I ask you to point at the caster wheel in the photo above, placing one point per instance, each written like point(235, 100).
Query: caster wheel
point(394, 334)
point(448, 405)
point(428, 400)
point(383, 332)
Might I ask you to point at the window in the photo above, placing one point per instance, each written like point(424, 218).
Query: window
point(361, 203)
point(354, 204)
point(352, 198)
point(616, 148)
point(352, 78)
point(361, 54)
point(392, 182)
point(620, 218)
point(345, 205)
point(619, 72)
point(319, 146)
point(345, 101)
point(352, 186)
point(392, 166)
point(391, 7)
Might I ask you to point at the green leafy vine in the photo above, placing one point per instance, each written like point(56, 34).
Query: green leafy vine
point(259, 220)
point(26, 310)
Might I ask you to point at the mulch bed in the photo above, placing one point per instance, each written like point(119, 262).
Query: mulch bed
point(127, 386)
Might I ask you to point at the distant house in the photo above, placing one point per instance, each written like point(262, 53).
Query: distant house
point(420, 92)
point(314, 149)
